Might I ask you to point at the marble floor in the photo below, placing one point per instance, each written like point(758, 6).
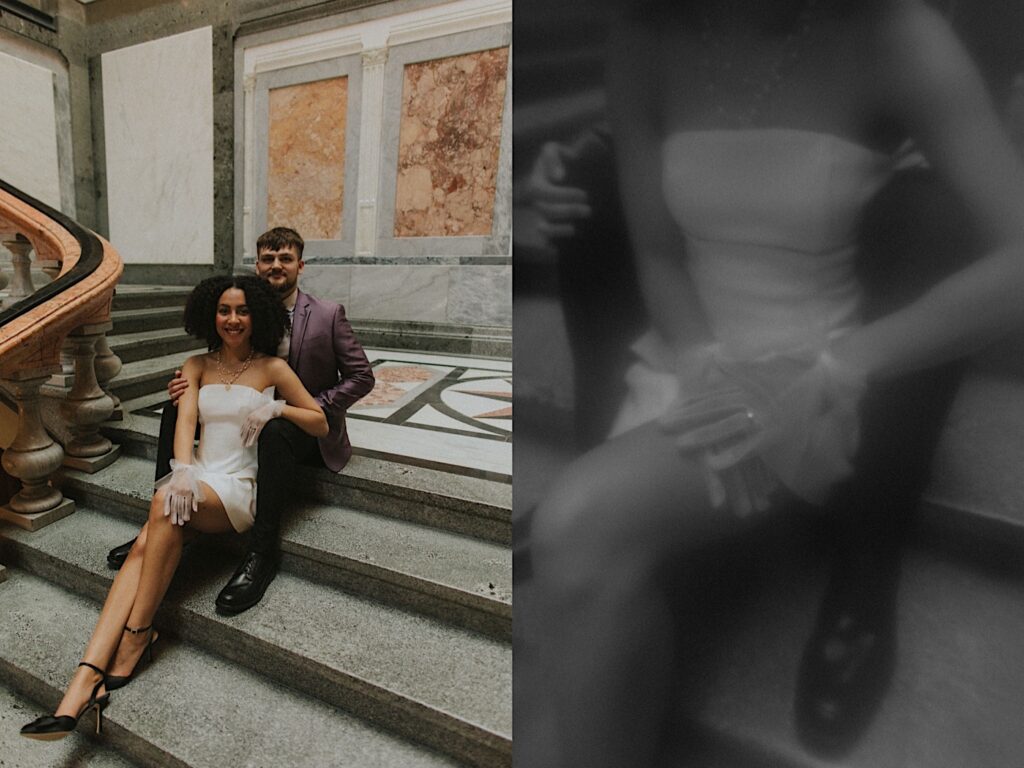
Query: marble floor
point(439, 411)
point(442, 412)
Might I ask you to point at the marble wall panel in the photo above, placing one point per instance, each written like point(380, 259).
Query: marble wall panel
point(481, 295)
point(449, 144)
point(28, 131)
point(158, 139)
point(306, 173)
point(332, 282)
point(399, 293)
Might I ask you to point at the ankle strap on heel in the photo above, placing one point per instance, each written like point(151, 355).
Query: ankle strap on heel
point(91, 666)
point(138, 631)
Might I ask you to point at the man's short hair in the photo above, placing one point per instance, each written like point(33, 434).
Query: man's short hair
point(280, 237)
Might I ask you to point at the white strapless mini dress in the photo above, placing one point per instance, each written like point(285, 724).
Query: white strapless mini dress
point(224, 464)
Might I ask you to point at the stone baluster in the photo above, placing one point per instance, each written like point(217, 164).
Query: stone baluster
point(108, 365)
point(21, 265)
point(87, 406)
point(67, 359)
point(33, 457)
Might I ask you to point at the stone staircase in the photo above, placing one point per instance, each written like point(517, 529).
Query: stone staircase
point(384, 641)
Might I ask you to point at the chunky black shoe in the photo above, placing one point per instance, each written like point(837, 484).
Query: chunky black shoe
point(117, 556)
point(248, 583)
point(846, 669)
point(120, 681)
point(51, 728)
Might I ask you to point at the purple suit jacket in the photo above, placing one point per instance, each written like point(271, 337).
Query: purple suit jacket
point(331, 364)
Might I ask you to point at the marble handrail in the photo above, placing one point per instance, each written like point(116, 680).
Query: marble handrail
point(32, 330)
point(74, 307)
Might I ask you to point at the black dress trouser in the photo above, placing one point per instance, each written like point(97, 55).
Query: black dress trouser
point(282, 447)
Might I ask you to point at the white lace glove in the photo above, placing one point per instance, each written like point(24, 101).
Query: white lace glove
point(257, 420)
point(798, 414)
point(183, 492)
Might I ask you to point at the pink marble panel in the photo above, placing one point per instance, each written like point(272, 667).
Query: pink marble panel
point(448, 145)
point(306, 139)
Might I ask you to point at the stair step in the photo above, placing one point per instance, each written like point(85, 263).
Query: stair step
point(452, 577)
point(469, 506)
point(149, 296)
point(958, 688)
point(142, 345)
point(150, 319)
point(977, 466)
point(444, 686)
point(142, 377)
point(232, 716)
point(75, 749)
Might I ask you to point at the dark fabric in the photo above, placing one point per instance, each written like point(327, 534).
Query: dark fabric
point(282, 448)
point(165, 441)
point(914, 233)
point(331, 364)
point(600, 294)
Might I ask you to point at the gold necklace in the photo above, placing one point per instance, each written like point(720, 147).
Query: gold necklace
point(220, 369)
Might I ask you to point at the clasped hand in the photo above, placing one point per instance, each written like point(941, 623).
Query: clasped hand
point(183, 493)
point(257, 420)
point(795, 415)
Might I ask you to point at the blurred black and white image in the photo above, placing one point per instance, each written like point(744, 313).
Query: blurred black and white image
point(770, 399)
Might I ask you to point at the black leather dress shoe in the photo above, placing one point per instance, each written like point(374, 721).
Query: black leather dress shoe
point(117, 556)
point(248, 584)
point(845, 672)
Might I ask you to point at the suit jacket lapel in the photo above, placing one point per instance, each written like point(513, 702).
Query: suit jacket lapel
point(298, 329)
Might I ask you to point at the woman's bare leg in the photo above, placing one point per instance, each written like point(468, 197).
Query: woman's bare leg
point(146, 573)
point(109, 626)
point(164, 541)
point(605, 629)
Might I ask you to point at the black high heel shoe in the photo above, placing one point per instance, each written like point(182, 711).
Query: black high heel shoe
point(120, 681)
point(51, 728)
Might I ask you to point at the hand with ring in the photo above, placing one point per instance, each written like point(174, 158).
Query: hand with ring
point(798, 416)
point(257, 420)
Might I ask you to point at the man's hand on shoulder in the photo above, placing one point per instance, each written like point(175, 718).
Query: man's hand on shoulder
point(176, 387)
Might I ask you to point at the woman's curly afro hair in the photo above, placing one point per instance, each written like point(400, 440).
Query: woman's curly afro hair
point(269, 317)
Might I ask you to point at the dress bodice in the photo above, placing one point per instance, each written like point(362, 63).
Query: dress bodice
point(770, 218)
point(222, 410)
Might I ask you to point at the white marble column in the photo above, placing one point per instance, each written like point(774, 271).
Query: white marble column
point(370, 128)
point(249, 172)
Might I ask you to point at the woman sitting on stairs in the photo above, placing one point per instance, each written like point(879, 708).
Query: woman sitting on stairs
point(210, 491)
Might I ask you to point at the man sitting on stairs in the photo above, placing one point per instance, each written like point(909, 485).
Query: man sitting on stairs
point(330, 362)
